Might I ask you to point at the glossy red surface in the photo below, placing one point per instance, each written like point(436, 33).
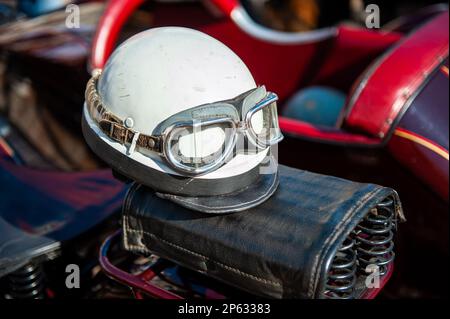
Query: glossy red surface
point(304, 129)
point(116, 14)
point(352, 50)
point(397, 77)
point(429, 166)
point(226, 6)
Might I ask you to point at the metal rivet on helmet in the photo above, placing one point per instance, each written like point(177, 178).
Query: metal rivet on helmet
point(129, 123)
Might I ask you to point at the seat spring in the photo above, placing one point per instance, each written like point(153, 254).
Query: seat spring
point(374, 238)
point(371, 243)
point(27, 282)
point(342, 274)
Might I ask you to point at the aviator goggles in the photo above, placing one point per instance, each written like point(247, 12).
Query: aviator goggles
point(201, 139)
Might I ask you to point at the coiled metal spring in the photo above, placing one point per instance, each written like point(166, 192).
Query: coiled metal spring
point(370, 244)
point(342, 274)
point(27, 282)
point(374, 238)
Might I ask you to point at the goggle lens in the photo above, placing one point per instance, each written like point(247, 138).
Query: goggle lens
point(264, 125)
point(199, 148)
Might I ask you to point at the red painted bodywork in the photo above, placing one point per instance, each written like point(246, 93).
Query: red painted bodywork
point(111, 23)
point(116, 14)
point(226, 6)
point(397, 77)
point(421, 141)
point(296, 127)
point(427, 165)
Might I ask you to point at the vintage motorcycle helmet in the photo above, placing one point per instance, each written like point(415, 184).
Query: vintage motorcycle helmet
point(176, 110)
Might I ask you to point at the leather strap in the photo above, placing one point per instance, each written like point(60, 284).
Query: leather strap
point(125, 136)
point(112, 125)
point(161, 181)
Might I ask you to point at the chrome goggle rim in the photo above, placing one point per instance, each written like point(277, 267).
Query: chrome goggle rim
point(251, 135)
point(208, 167)
point(93, 101)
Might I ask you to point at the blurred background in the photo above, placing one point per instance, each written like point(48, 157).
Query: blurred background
point(44, 67)
point(288, 15)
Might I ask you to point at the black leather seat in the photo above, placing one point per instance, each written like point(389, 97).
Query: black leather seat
point(282, 248)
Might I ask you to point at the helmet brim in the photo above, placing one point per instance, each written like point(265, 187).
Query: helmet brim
point(251, 196)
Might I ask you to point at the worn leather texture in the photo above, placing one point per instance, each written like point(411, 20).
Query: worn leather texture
point(280, 249)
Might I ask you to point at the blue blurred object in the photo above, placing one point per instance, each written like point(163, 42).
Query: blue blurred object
point(7, 13)
point(34, 8)
point(316, 105)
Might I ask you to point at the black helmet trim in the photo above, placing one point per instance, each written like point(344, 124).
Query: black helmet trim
point(249, 197)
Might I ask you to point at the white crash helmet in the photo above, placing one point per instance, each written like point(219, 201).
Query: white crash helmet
point(178, 111)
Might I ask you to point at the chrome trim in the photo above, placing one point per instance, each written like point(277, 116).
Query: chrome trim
point(251, 135)
point(167, 137)
point(246, 24)
point(100, 112)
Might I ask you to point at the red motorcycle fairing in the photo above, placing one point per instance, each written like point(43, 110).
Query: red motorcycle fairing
point(421, 140)
point(404, 95)
point(385, 89)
